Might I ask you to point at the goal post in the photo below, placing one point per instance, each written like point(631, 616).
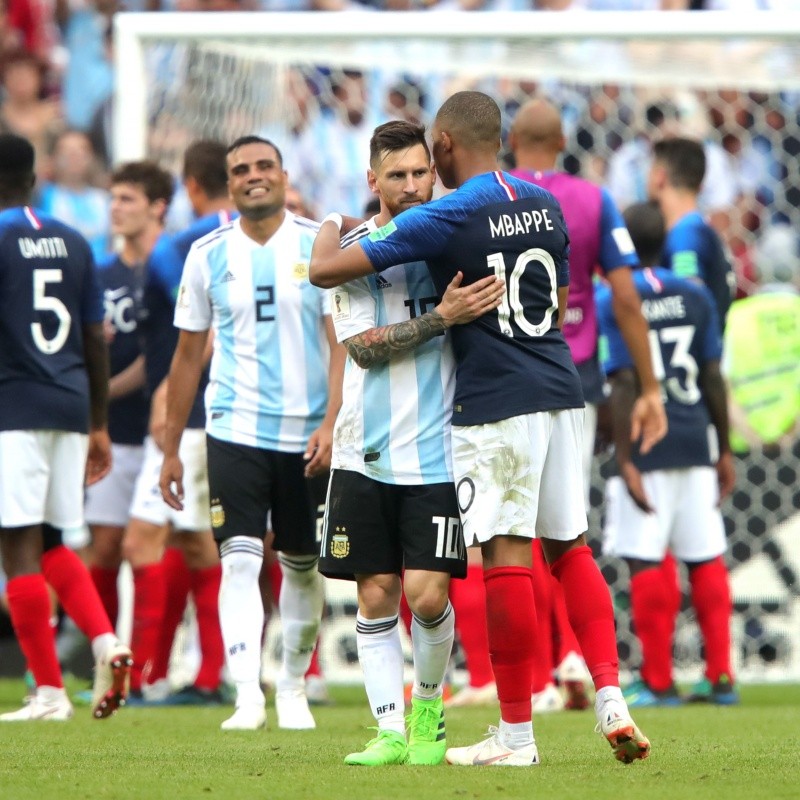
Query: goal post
point(732, 79)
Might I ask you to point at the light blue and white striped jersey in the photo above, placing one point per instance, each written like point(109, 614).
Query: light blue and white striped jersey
point(268, 385)
point(394, 423)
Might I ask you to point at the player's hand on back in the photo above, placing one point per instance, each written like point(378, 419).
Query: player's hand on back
point(633, 481)
point(98, 461)
point(648, 421)
point(462, 304)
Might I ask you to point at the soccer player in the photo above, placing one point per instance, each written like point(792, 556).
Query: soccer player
point(272, 400)
point(190, 562)
point(670, 496)
point(517, 414)
point(598, 241)
point(53, 426)
point(692, 248)
point(392, 505)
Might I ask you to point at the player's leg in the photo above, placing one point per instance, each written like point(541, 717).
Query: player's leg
point(203, 571)
point(433, 551)
point(297, 507)
point(699, 541)
point(561, 520)
point(26, 479)
point(641, 539)
point(69, 578)
point(497, 473)
point(360, 542)
point(469, 602)
point(106, 511)
point(239, 486)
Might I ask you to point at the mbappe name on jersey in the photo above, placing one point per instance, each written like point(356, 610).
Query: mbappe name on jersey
point(520, 223)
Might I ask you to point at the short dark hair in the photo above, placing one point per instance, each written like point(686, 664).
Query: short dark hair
point(473, 116)
point(393, 136)
point(156, 183)
point(647, 228)
point(204, 160)
point(253, 139)
point(684, 160)
point(17, 159)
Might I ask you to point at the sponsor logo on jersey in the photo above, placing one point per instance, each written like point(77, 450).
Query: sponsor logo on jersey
point(229, 276)
point(340, 542)
point(381, 282)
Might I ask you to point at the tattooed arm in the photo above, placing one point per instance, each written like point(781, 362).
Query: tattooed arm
point(458, 306)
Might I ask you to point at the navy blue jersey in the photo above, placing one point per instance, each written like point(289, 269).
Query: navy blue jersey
point(48, 292)
point(684, 335)
point(122, 288)
point(693, 249)
point(164, 269)
point(513, 360)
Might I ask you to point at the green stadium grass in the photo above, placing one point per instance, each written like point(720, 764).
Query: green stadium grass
point(704, 753)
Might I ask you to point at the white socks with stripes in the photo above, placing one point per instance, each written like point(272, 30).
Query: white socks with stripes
point(432, 642)
point(241, 615)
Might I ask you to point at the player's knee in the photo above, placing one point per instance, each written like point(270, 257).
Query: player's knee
point(379, 595)
point(428, 602)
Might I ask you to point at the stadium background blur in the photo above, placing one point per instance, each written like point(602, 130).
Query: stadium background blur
point(57, 81)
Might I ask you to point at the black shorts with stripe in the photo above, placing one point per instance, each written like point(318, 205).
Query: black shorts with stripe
point(374, 528)
point(247, 483)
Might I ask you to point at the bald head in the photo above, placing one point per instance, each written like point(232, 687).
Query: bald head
point(537, 128)
point(472, 119)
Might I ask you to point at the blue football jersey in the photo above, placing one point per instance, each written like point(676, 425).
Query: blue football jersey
point(513, 360)
point(684, 335)
point(164, 269)
point(693, 249)
point(122, 288)
point(48, 292)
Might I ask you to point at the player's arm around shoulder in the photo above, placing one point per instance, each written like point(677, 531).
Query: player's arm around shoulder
point(459, 305)
point(331, 265)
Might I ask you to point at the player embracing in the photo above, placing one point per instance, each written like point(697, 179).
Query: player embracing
point(517, 414)
point(392, 505)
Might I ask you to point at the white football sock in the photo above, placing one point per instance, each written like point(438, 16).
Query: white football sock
point(432, 643)
point(381, 657)
point(241, 615)
point(300, 605)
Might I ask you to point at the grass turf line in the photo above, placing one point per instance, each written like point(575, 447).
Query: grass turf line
point(699, 752)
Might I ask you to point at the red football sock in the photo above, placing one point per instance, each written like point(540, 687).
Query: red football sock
point(177, 585)
point(105, 581)
point(205, 590)
point(29, 606)
point(511, 618)
point(275, 580)
point(564, 639)
point(653, 610)
point(405, 613)
point(543, 597)
point(149, 600)
point(314, 667)
point(711, 598)
point(591, 613)
point(469, 602)
point(76, 591)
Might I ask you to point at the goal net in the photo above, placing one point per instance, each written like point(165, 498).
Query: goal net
point(317, 84)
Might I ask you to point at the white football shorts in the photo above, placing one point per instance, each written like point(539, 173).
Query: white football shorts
point(148, 505)
point(41, 478)
point(109, 501)
point(686, 520)
point(521, 476)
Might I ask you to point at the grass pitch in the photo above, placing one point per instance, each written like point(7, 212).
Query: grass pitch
point(704, 753)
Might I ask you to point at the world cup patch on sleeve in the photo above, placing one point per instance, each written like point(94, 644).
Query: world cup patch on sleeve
point(340, 304)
